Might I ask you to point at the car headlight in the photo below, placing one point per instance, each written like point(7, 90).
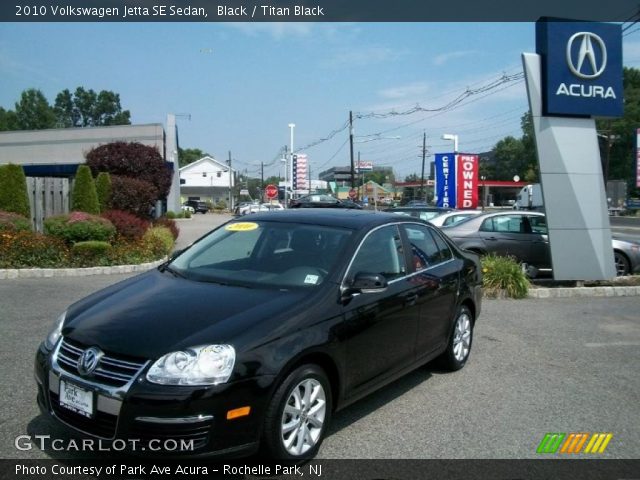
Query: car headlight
point(206, 365)
point(54, 335)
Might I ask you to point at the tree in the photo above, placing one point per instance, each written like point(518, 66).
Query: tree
point(33, 111)
point(13, 190)
point(189, 155)
point(84, 196)
point(133, 160)
point(8, 120)
point(103, 189)
point(617, 136)
point(85, 108)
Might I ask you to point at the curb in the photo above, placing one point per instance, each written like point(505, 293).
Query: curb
point(576, 292)
point(76, 272)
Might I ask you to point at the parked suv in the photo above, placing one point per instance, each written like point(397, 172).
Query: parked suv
point(198, 207)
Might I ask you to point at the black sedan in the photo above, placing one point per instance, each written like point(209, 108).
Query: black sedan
point(259, 331)
point(523, 235)
point(323, 201)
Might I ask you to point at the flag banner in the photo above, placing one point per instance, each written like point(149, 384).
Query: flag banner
point(467, 168)
point(445, 166)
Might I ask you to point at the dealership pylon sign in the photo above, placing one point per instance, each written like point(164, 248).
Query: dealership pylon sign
point(575, 76)
point(457, 180)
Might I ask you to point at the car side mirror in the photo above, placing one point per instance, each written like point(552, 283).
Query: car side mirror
point(365, 282)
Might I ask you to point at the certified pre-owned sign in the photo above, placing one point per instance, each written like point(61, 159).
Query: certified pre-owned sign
point(581, 68)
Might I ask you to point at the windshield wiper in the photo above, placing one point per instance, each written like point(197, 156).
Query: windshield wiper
point(175, 273)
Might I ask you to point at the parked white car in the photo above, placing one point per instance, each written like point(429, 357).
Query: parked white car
point(188, 208)
point(452, 218)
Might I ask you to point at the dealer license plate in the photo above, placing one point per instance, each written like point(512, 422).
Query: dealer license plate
point(76, 399)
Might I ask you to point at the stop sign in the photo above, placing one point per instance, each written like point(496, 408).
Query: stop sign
point(353, 193)
point(271, 191)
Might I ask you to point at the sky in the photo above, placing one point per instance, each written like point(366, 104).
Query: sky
point(237, 86)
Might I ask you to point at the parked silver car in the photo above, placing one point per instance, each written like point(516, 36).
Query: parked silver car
point(523, 235)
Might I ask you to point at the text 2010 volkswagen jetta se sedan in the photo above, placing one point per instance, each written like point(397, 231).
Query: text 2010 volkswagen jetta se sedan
point(260, 330)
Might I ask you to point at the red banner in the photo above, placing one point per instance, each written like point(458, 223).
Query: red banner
point(467, 172)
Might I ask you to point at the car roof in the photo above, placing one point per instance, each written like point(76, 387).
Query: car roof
point(418, 208)
point(331, 217)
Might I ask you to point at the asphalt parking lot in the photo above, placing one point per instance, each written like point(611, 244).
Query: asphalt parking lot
point(537, 366)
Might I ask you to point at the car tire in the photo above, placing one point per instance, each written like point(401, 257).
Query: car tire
point(460, 340)
point(298, 415)
point(623, 267)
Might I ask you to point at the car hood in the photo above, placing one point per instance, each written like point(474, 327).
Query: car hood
point(156, 313)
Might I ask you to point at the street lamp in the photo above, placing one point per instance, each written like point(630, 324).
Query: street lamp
point(289, 169)
point(450, 136)
point(484, 191)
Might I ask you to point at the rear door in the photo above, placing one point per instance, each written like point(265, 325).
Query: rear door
point(507, 235)
point(540, 253)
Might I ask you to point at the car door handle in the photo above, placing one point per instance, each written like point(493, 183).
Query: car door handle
point(411, 299)
point(492, 238)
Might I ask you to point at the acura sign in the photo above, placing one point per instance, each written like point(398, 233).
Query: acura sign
point(581, 68)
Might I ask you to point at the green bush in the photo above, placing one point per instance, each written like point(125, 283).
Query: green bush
point(79, 227)
point(171, 215)
point(103, 189)
point(84, 196)
point(159, 240)
point(13, 190)
point(503, 274)
point(91, 253)
point(26, 249)
point(12, 222)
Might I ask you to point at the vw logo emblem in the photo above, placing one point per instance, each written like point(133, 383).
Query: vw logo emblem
point(590, 59)
point(89, 360)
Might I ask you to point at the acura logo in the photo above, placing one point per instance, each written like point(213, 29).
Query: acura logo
point(590, 60)
point(89, 360)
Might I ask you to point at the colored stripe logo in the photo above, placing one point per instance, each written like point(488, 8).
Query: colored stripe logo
point(574, 443)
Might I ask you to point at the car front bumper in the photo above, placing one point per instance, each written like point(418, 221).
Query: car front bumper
point(151, 418)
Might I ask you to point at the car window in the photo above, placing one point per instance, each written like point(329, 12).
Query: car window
point(380, 252)
point(443, 246)
point(424, 251)
point(538, 224)
point(455, 219)
point(504, 224)
point(428, 215)
point(264, 254)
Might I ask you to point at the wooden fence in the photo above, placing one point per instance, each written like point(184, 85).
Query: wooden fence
point(47, 196)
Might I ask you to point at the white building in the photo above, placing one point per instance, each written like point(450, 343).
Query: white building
point(206, 179)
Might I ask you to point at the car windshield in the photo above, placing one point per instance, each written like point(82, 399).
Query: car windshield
point(264, 255)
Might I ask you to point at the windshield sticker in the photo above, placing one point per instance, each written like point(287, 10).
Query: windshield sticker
point(241, 227)
point(313, 279)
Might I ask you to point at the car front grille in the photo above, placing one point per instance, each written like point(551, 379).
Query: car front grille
point(112, 370)
point(101, 425)
point(195, 435)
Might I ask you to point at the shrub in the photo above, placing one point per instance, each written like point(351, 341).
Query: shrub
point(103, 189)
point(27, 249)
point(133, 160)
point(132, 195)
point(127, 224)
point(91, 253)
point(13, 190)
point(171, 215)
point(503, 274)
point(221, 205)
point(79, 227)
point(12, 222)
point(159, 241)
point(168, 223)
point(84, 196)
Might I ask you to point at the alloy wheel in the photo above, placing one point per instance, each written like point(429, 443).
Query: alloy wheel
point(462, 337)
point(303, 417)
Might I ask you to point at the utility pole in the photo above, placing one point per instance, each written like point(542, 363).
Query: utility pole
point(353, 173)
point(261, 176)
point(424, 156)
point(230, 183)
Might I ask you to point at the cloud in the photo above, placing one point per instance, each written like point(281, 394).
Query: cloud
point(362, 57)
point(404, 91)
point(445, 57)
point(276, 30)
